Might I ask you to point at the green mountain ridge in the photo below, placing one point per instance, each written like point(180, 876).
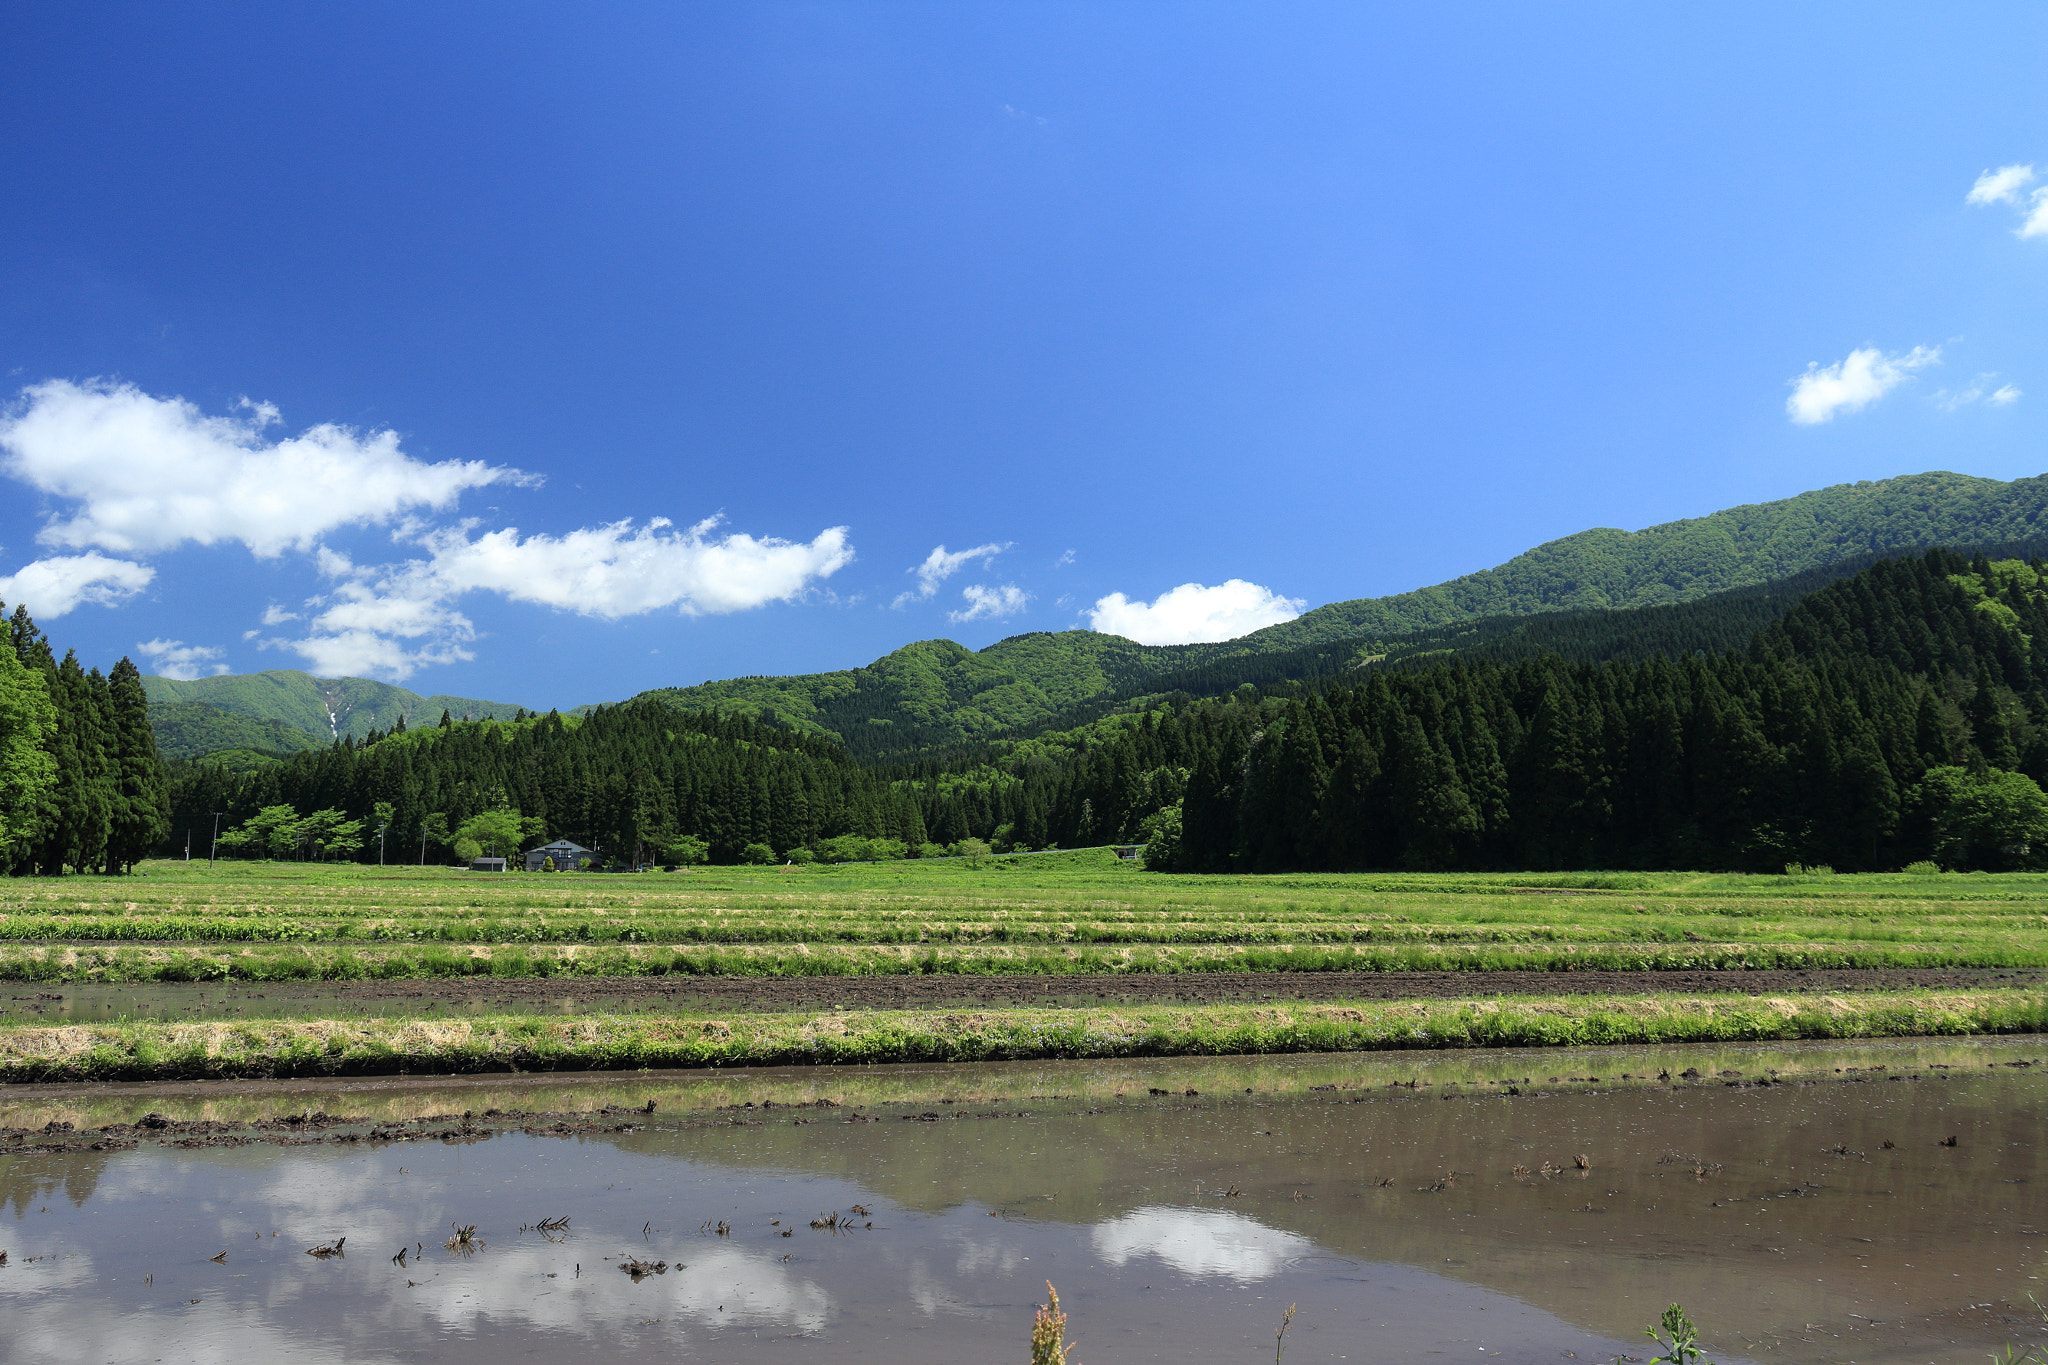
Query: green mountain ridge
point(323, 708)
point(936, 693)
point(1678, 561)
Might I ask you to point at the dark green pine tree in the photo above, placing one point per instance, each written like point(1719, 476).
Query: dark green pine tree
point(1556, 784)
point(1435, 818)
point(81, 815)
point(141, 806)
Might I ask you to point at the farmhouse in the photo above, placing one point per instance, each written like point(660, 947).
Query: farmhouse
point(567, 856)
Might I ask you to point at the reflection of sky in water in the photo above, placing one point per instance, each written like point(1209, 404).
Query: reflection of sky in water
point(1199, 1243)
point(167, 1212)
point(942, 1283)
point(56, 1332)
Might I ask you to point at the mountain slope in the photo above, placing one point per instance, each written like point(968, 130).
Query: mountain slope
point(189, 729)
point(324, 707)
point(937, 694)
point(1681, 560)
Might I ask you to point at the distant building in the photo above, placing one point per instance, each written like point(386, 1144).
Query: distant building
point(567, 856)
point(1128, 852)
point(486, 864)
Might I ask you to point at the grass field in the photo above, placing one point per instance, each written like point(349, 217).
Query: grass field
point(1051, 914)
point(1048, 914)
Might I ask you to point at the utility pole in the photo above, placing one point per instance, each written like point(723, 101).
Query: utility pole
point(214, 847)
point(188, 843)
point(380, 844)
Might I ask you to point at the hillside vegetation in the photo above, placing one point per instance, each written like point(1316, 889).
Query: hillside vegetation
point(1737, 547)
point(935, 694)
point(1897, 716)
point(190, 729)
point(326, 708)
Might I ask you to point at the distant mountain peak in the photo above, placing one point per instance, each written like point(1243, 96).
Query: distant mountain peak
point(329, 707)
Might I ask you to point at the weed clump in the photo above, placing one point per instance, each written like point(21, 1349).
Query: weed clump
point(1049, 1344)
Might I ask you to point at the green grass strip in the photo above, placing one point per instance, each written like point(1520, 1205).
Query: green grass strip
point(256, 963)
point(608, 1042)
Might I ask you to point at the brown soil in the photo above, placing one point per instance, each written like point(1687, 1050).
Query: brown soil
point(771, 994)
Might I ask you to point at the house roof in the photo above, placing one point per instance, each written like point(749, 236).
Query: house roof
point(561, 846)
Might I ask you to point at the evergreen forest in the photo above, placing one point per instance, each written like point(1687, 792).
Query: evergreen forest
point(1897, 716)
point(82, 788)
point(1894, 716)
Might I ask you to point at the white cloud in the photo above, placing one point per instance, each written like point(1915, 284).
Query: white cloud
point(941, 564)
point(52, 587)
point(143, 473)
point(1980, 391)
point(615, 570)
point(1859, 380)
point(1192, 614)
point(2001, 186)
point(152, 473)
point(994, 604)
point(2004, 186)
point(176, 659)
point(366, 654)
point(2037, 217)
point(390, 621)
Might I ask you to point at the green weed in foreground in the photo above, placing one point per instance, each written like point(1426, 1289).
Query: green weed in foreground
point(1049, 1345)
point(1677, 1340)
point(285, 1048)
point(1675, 1336)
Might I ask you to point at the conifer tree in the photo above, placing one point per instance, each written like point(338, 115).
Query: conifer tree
point(140, 802)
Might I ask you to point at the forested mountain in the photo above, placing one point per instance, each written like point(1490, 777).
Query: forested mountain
point(1681, 560)
point(81, 785)
point(639, 778)
point(1725, 621)
point(937, 695)
point(1896, 715)
point(935, 692)
point(327, 708)
point(189, 729)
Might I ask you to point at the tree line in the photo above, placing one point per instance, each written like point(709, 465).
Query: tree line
point(1895, 715)
point(631, 782)
point(81, 785)
point(1899, 715)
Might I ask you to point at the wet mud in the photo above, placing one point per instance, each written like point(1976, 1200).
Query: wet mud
point(542, 995)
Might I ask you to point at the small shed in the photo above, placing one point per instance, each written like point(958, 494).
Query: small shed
point(486, 864)
point(568, 856)
point(1128, 852)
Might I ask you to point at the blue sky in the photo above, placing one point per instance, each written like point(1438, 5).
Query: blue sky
point(426, 342)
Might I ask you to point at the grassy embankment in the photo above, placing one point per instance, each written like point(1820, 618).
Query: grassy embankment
point(364, 1047)
point(1048, 914)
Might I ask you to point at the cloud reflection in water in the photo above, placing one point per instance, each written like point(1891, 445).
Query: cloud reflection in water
point(1199, 1243)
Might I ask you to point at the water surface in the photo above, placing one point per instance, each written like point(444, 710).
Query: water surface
point(1407, 1226)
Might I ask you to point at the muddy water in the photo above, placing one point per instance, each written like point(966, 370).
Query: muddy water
point(1407, 1225)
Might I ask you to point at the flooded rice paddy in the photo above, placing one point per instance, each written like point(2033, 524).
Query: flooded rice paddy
point(1801, 1200)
